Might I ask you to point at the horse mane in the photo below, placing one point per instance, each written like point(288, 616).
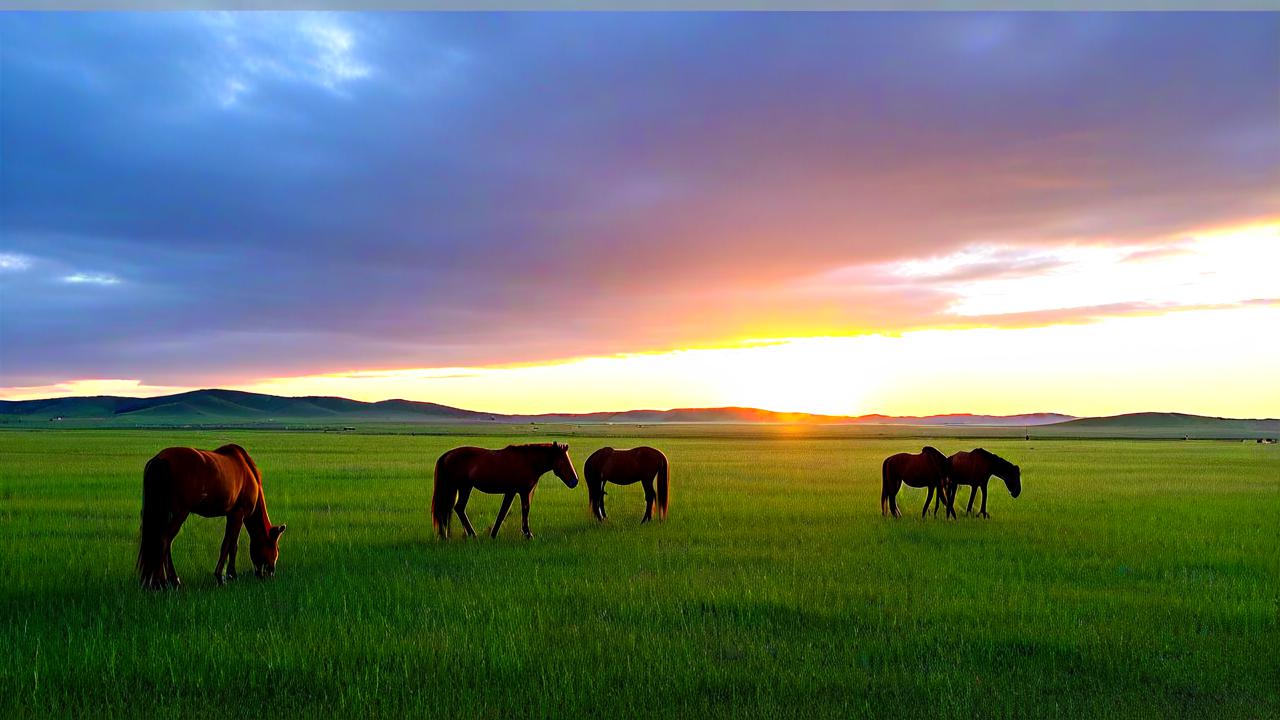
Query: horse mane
point(234, 450)
point(1001, 465)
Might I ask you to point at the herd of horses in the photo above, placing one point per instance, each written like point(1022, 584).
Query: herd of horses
point(226, 482)
point(941, 475)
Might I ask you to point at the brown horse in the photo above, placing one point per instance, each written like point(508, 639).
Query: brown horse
point(624, 467)
point(928, 469)
point(223, 483)
point(976, 468)
point(513, 470)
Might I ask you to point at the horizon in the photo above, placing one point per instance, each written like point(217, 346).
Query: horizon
point(990, 214)
point(639, 409)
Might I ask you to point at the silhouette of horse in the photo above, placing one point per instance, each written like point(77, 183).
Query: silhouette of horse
point(513, 470)
point(179, 481)
point(625, 467)
point(927, 469)
point(976, 468)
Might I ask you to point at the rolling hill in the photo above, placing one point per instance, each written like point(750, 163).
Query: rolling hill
point(1171, 422)
point(233, 407)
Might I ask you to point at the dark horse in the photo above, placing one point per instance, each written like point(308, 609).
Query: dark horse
point(513, 470)
point(976, 468)
point(625, 467)
point(928, 469)
point(223, 483)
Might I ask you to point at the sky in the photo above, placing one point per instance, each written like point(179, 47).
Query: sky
point(837, 213)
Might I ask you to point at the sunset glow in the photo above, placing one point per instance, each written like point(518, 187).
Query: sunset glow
point(789, 212)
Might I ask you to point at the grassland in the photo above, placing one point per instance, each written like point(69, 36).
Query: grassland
point(1130, 579)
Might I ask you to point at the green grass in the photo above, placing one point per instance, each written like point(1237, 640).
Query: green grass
point(1130, 579)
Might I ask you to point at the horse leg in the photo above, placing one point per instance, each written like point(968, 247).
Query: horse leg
point(973, 490)
point(171, 532)
point(604, 515)
point(460, 507)
point(502, 513)
point(524, 513)
point(649, 498)
point(984, 503)
point(889, 494)
point(231, 556)
point(928, 499)
point(229, 541)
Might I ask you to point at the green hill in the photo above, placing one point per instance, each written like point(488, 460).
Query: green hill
point(234, 407)
point(1152, 424)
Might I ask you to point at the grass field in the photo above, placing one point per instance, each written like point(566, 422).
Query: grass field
point(1130, 579)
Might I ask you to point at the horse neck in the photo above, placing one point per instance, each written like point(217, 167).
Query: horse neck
point(996, 465)
point(540, 458)
point(259, 523)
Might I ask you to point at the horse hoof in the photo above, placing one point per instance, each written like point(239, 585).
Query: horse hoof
point(219, 579)
point(528, 535)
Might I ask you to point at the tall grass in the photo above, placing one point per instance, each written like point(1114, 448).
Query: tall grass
point(1129, 579)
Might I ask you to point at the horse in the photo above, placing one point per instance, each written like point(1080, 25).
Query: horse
point(625, 467)
point(225, 482)
point(976, 468)
point(927, 469)
point(513, 470)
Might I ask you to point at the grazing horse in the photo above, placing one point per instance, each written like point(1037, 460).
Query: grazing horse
point(976, 468)
point(928, 469)
point(513, 470)
point(222, 483)
point(625, 467)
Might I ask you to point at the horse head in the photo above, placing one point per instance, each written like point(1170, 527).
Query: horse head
point(562, 465)
point(1008, 472)
point(1013, 480)
point(264, 550)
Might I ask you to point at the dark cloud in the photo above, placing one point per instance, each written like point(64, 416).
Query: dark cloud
point(282, 194)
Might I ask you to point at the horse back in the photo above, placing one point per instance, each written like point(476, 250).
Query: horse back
point(967, 468)
point(627, 466)
point(487, 470)
point(914, 469)
point(202, 481)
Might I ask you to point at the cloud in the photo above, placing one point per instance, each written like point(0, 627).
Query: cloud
point(307, 48)
point(80, 278)
point(293, 193)
point(11, 262)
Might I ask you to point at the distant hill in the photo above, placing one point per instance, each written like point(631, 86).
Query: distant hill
point(965, 419)
point(1172, 422)
point(233, 407)
point(209, 407)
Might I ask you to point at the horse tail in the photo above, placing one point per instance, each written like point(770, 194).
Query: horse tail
point(884, 487)
point(442, 498)
point(156, 486)
point(664, 487)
